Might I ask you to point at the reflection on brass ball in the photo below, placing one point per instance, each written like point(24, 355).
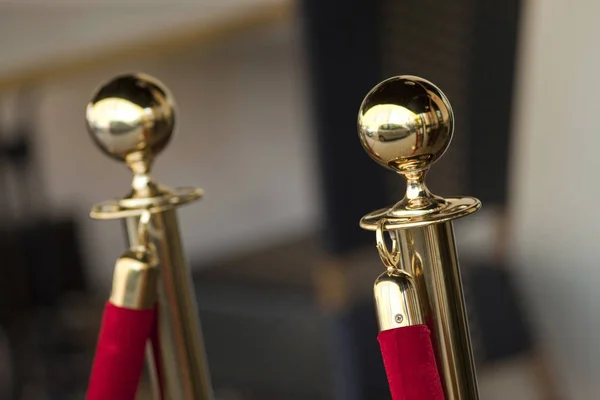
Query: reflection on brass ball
point(131, 113)
point(405, 123)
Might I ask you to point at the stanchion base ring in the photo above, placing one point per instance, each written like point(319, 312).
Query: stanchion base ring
point(454, 207)
point(133, 207)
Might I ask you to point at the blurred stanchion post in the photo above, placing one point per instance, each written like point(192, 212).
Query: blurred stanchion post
point(131, 118)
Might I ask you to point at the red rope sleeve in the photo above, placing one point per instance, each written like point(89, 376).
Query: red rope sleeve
point(120, 352)
point(410, 363)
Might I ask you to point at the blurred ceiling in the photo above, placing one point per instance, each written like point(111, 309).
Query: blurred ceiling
point(42, 39)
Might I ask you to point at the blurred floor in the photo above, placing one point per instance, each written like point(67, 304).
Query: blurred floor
point(279, 283)
point(511, 379)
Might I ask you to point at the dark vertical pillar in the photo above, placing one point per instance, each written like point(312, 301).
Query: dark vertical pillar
point(432, 39)
point(492, 75)
point(343, 47)
point(342, 42)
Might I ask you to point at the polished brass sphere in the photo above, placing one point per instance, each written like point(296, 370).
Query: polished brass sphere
point(405, 123)
point(131, 114)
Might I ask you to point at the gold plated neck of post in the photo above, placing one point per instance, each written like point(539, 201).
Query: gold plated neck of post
point(418, 200)
point(142, 184)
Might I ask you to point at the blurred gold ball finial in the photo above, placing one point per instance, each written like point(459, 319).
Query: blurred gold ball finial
point(405, 123)
point(131, 115)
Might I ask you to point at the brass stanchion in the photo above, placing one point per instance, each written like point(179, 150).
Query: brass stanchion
point(131, 118)
point(405, 124)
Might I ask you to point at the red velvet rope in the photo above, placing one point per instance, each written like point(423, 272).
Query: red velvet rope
point(120, 352)
point(410, 363)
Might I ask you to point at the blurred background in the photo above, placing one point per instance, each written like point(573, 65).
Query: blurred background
point(267, 94)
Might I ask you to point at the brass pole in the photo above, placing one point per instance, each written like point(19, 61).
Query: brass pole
point(181, 349)
point(405, 124)
point(131, 118)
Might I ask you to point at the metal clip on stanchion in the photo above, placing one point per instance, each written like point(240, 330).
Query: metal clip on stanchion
point(131, 118)
point(405, 124)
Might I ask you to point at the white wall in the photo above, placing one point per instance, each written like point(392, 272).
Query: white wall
point(555, 184)
point(39, 33)
point(242, 134)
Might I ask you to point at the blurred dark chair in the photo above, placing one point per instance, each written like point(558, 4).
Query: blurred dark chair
point(43, 263)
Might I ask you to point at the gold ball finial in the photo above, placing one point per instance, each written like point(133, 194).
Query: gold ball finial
point(131, 118)
point(405, 123)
